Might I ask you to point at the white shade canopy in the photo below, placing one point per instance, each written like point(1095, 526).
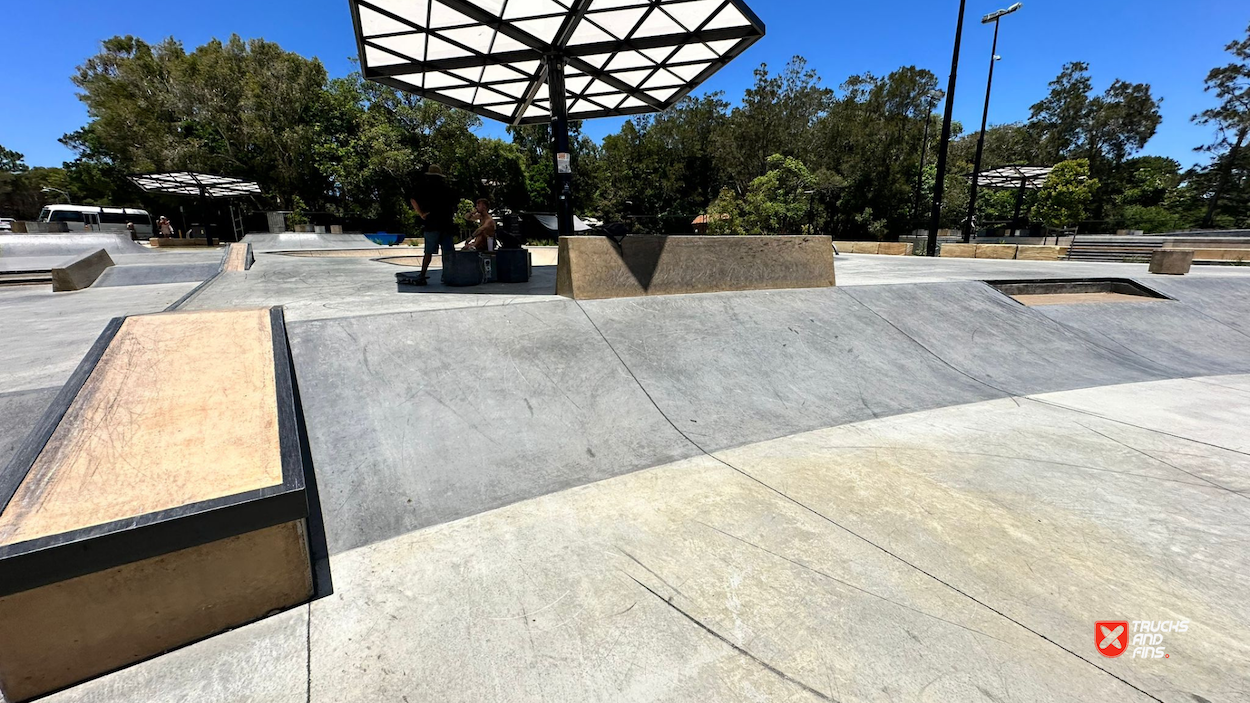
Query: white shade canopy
point(197, 184)
point(622, 57)
point(1008, 177)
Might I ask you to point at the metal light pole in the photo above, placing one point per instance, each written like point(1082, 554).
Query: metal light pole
point(985, 115)
point(939, 187)
point(48, 189)
point(560, 145)
point(924, 156)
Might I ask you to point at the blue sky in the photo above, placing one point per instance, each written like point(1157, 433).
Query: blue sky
point(1170, 45)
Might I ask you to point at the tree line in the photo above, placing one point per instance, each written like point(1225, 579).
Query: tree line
point(793, 155)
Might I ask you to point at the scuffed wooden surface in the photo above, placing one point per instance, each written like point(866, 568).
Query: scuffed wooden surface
point(181, 408)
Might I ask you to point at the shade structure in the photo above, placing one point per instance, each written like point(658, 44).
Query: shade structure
point(538, 61)
point(200, 185)
point(623, 57)
point(1011, 177)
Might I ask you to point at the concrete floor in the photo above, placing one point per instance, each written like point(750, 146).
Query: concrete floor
point(921, 491)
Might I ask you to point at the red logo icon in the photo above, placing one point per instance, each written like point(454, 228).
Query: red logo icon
point(1111, 638)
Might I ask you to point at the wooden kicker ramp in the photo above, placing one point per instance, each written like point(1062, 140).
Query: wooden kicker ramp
point(161, 500)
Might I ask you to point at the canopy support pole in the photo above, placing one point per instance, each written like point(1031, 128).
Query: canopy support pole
point(560, 145)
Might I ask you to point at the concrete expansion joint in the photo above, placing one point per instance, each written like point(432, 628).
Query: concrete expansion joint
point(840, 526)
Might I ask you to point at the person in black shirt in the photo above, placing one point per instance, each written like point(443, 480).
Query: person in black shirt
point(436, 204)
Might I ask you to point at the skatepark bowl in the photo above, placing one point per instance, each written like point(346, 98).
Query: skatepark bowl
point(294, 482)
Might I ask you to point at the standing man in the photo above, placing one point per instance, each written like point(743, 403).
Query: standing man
point(435, 203)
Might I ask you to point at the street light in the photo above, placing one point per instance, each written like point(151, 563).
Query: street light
point(985, 115)
point(46, 189)
point(939, 186)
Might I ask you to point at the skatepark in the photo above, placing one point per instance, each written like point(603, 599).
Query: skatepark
point(908, 486)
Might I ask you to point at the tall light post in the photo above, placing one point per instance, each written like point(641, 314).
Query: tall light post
point(939, 186)
point(985, 116)
point(48, 189)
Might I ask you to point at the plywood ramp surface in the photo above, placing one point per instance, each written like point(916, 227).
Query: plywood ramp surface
point(1079, 298)
point(181, 408)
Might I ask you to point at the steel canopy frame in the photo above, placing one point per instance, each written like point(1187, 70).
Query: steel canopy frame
point(538, 61)
point(201, 185)
point(1019, 178)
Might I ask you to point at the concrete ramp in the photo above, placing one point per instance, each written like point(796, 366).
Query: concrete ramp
point(1224, 299)
point(67, 245)
point(156, 274)
point(991, 337)
point(159, 500)
point(292, 241)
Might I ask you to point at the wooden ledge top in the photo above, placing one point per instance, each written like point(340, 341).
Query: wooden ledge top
point(181, 408)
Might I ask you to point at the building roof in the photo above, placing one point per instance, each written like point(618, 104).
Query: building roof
point(624, 57)
point(197, 184)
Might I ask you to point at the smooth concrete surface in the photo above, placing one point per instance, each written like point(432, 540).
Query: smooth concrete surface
point(80, 273)
point(46, 334)
point(596, 268)
point(157, 433)
point(958, 554)
point(303, 240)
point(1225, 300)
point(856, 270)
point(156, 274)
point(320, 288)
point(64, 633)
point(988, 336)
point(1168, 334)
point(421, 418)
point(67, 245)
point(736, 368)
point(19, 412)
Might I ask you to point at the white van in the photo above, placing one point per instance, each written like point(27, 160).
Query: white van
point(89, 218)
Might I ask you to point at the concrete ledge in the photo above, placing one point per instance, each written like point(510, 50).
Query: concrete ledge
point(1027, 252)
point(81, 273)
point(1242, 255)
point(959, 251)
point(996, 251)
point(865, 247)
point(155, 503)
point(593, 268)
point(895, 249)
point(159, 242)
point(1171, 262)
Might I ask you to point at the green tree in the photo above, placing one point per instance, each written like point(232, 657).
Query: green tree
point(1231, 120)
point(244, 109)
point(777, 116)
point(1064, 200)
point(12, 162)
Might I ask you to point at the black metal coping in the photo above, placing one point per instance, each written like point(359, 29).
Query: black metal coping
point(39, 562)
point(1068, 286)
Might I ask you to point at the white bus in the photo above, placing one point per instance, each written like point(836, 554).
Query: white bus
point(89, 218)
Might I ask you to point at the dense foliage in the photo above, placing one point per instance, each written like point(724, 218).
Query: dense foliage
point(793, 155)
